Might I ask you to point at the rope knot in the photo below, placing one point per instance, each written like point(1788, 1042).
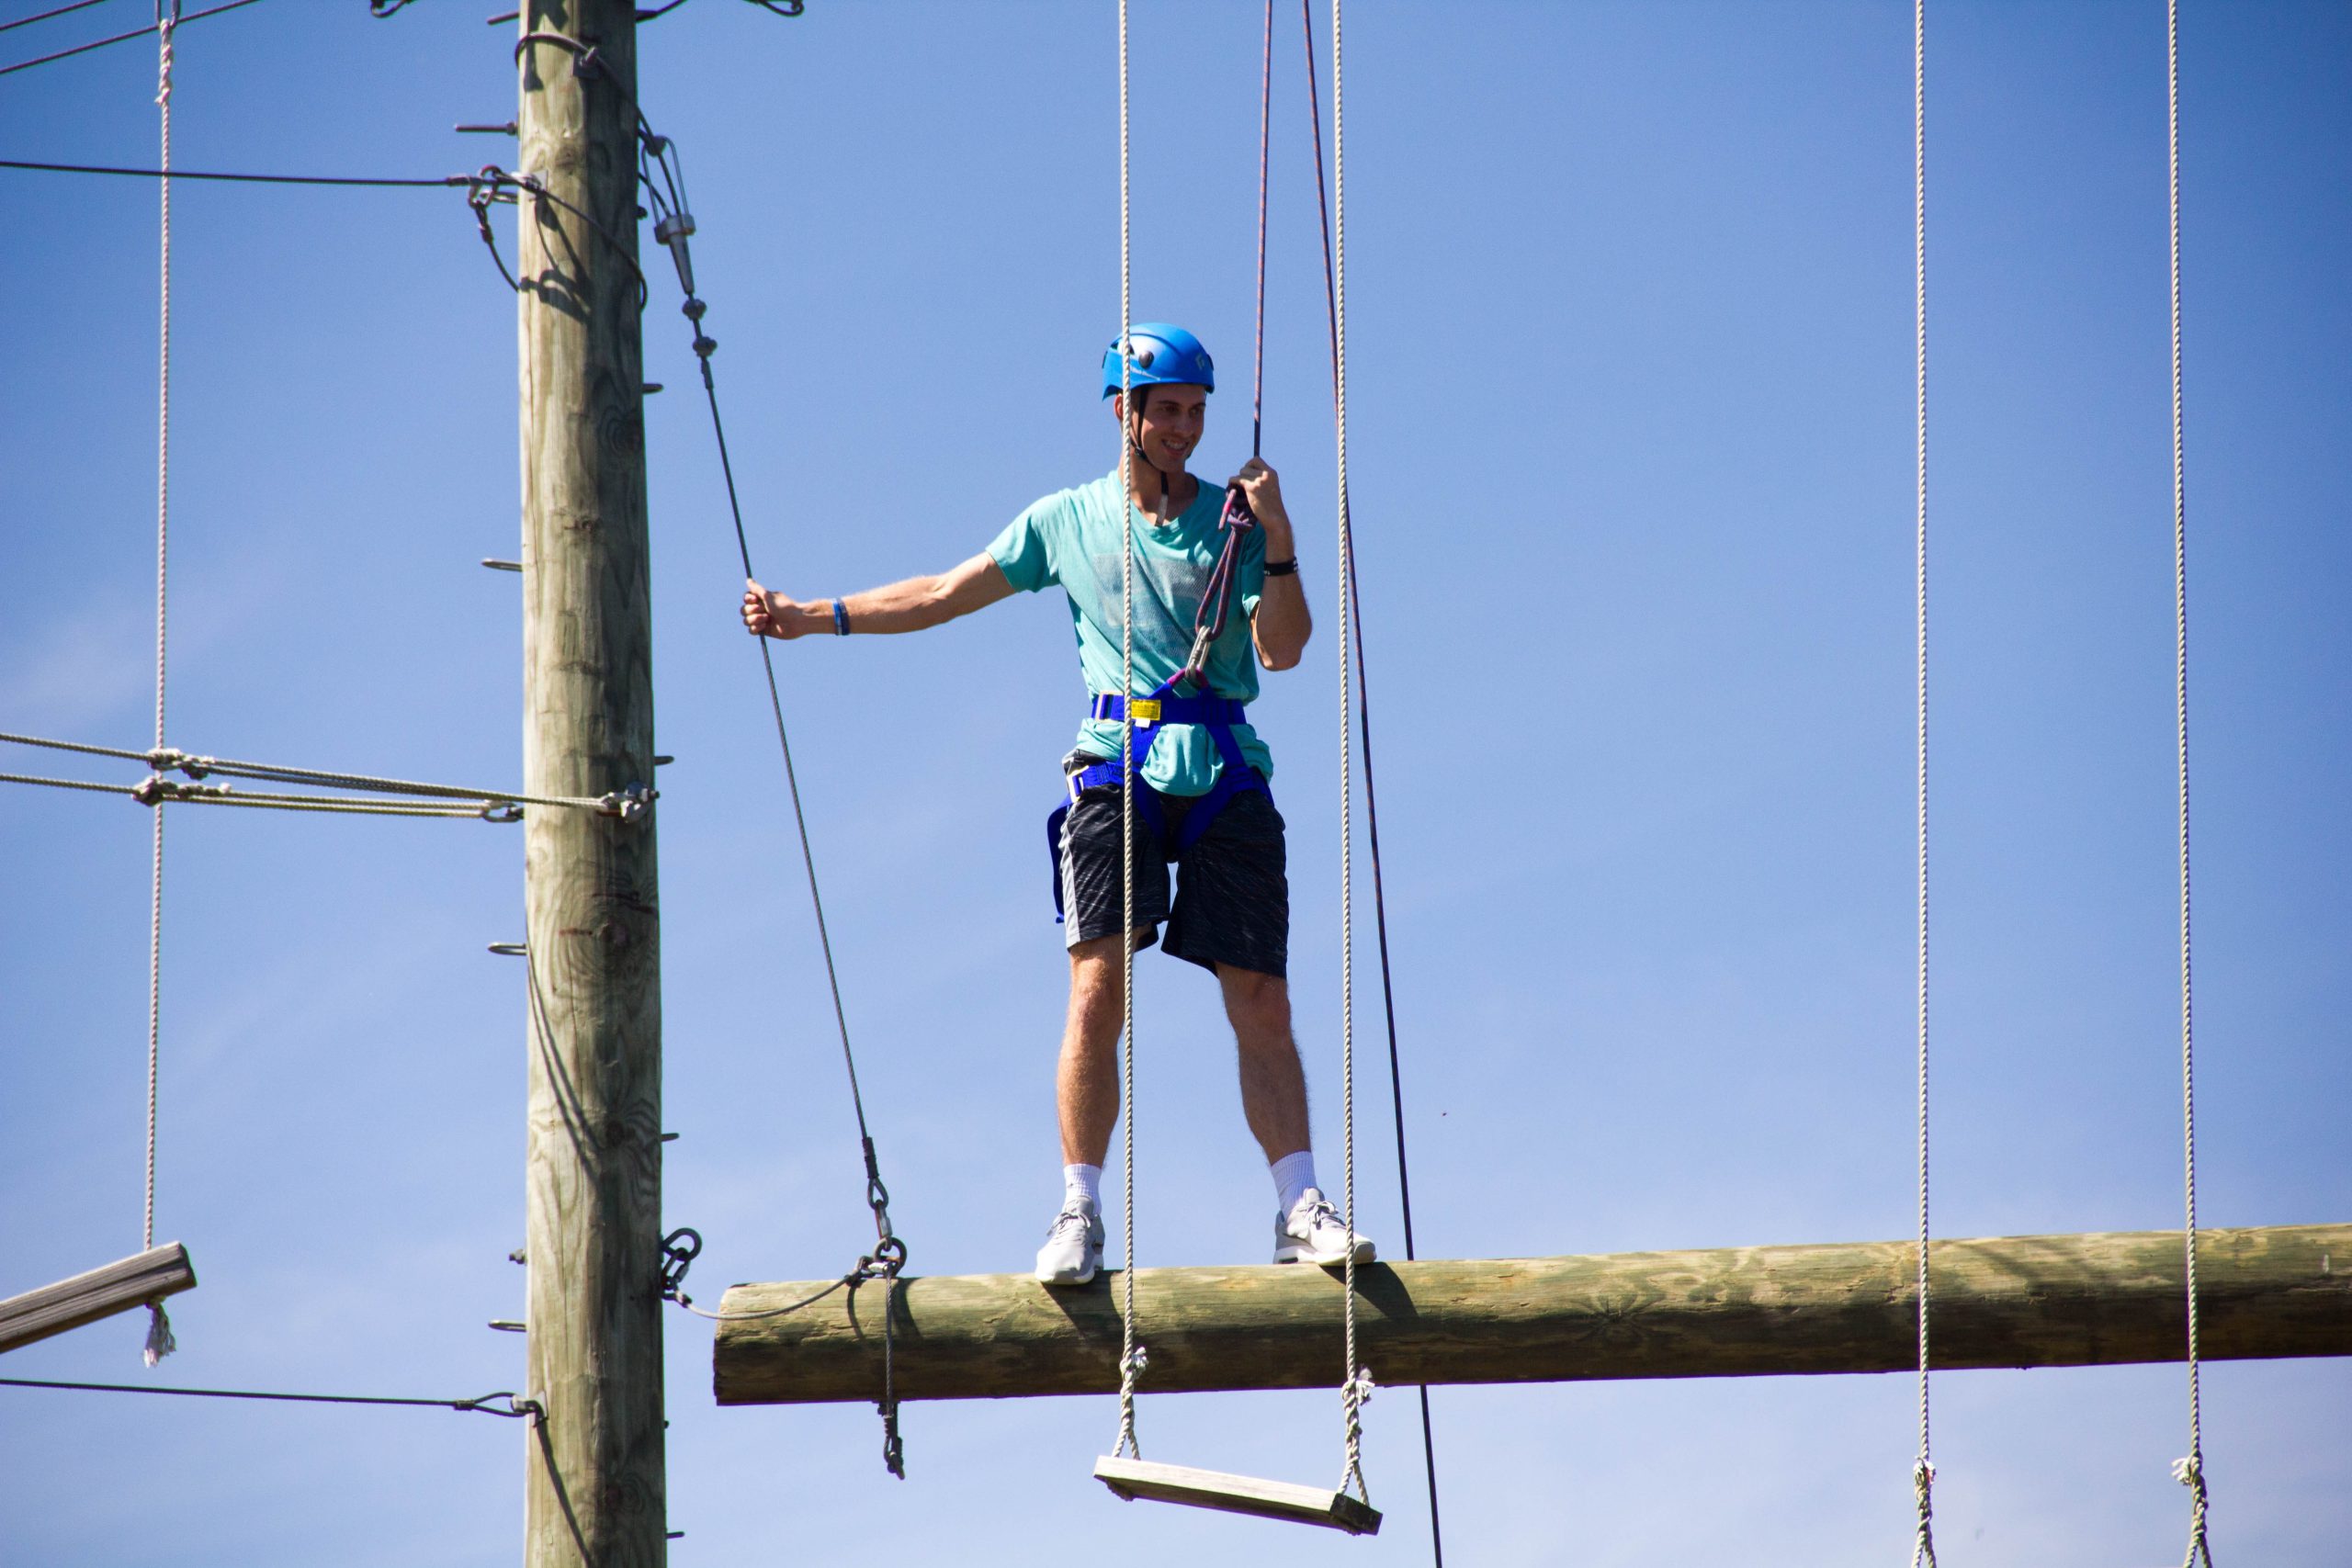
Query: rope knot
point(1357, 1390)
point(1136, 1360)
point(2189, 1472)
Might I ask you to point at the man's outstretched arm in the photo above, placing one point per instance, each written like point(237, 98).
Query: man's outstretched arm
point(910, 607)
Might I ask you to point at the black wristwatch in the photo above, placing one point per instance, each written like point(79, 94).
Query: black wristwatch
point(1283, 568)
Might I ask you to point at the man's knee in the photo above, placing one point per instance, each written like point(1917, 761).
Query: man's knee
point(1257, 1005)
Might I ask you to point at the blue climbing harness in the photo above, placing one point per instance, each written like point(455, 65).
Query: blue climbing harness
point(1217, 714)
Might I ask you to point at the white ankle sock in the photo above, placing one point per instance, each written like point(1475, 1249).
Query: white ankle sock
point(1083, 1181)
point(1294, 1174)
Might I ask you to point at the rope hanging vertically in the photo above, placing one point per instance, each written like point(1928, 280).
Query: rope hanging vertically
point(1130, 1354)
point(1371, 787)
point(1356, 1385)
point(2189, 1469)
point(160, 1342)
point(1923, 1469)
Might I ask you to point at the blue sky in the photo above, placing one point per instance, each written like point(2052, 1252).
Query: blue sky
point(1631, 447)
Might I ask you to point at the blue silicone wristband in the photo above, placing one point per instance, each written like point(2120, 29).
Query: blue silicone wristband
point(841, 618)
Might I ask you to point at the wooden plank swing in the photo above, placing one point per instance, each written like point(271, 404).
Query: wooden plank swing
point(1132, 1478)
point(101, 1293)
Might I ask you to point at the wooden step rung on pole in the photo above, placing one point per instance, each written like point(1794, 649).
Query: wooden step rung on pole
point(1132, 1478)
point(102, 1292)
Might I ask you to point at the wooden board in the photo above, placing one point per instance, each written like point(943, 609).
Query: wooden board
point(1132, 1478)
point(102, 1292)
point(2049, 1300)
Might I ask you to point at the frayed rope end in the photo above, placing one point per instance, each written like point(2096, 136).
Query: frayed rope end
point(160, 1342)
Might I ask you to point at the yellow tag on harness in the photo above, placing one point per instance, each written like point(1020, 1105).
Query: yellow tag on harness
point(1145, 710)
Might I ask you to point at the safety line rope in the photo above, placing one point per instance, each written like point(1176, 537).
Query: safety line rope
point(1266, 145)
point(177, 20)
point(160, 1342)
point(1130, 1354)
point(890, 1255)
point(1370, 791)
point(2189, 1471)
point(1356, 1386)
point(1923, 1469)
point(516, 1408)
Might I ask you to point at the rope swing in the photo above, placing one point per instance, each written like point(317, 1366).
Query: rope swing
point(1125, 1469)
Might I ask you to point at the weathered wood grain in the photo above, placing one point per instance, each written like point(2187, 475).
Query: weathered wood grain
point(595, 1486)
point(134, 1281)
point(2042, 1301)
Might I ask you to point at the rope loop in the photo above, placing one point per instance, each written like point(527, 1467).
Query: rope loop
point(1923, 1480)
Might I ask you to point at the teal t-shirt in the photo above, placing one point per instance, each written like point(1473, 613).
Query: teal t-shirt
point(1072, 538)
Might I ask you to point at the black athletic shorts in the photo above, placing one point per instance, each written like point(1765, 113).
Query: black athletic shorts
point(1232, 891)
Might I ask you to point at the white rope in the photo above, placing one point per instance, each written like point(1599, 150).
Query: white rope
point(2191, 1469)
point(1923, 1469)
point(160, 1342)
point(1130, 1354)
point(1356, 1382)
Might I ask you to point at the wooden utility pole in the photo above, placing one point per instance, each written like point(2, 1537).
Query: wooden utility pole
point(594, 1491)
point(2034, 1300)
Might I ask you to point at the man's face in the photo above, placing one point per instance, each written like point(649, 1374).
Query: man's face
point(1173, 418)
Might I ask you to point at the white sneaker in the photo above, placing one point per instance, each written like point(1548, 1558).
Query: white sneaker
point(1313, 1233)
point(1073, 1249)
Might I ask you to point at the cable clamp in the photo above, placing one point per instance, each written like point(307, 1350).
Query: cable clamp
point(155, 789)
point(514, 1409)
point(502, 811)
point(629, 804)
point(172, 760)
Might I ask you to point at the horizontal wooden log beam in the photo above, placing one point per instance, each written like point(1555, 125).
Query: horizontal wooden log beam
point(85, 1298)
point(2042, 1301)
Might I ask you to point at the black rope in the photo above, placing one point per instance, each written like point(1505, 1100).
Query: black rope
point(1370, 795)
point(44, 15)
point(774, 7)
point(516, 1408)
point(445, 180)
point(119, 38)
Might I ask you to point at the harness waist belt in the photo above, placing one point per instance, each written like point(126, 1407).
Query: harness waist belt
point(1111, 706)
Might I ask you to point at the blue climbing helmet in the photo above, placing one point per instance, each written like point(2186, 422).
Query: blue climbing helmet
point(1165, 355)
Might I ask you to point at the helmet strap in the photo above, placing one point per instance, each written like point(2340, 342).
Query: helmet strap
point(1135, 444)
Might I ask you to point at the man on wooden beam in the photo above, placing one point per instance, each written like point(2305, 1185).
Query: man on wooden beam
point(1203, 803)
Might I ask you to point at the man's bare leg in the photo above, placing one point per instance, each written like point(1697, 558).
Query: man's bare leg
point(1273, 1084)
point(1086, 1082)
point(1273, 1097)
